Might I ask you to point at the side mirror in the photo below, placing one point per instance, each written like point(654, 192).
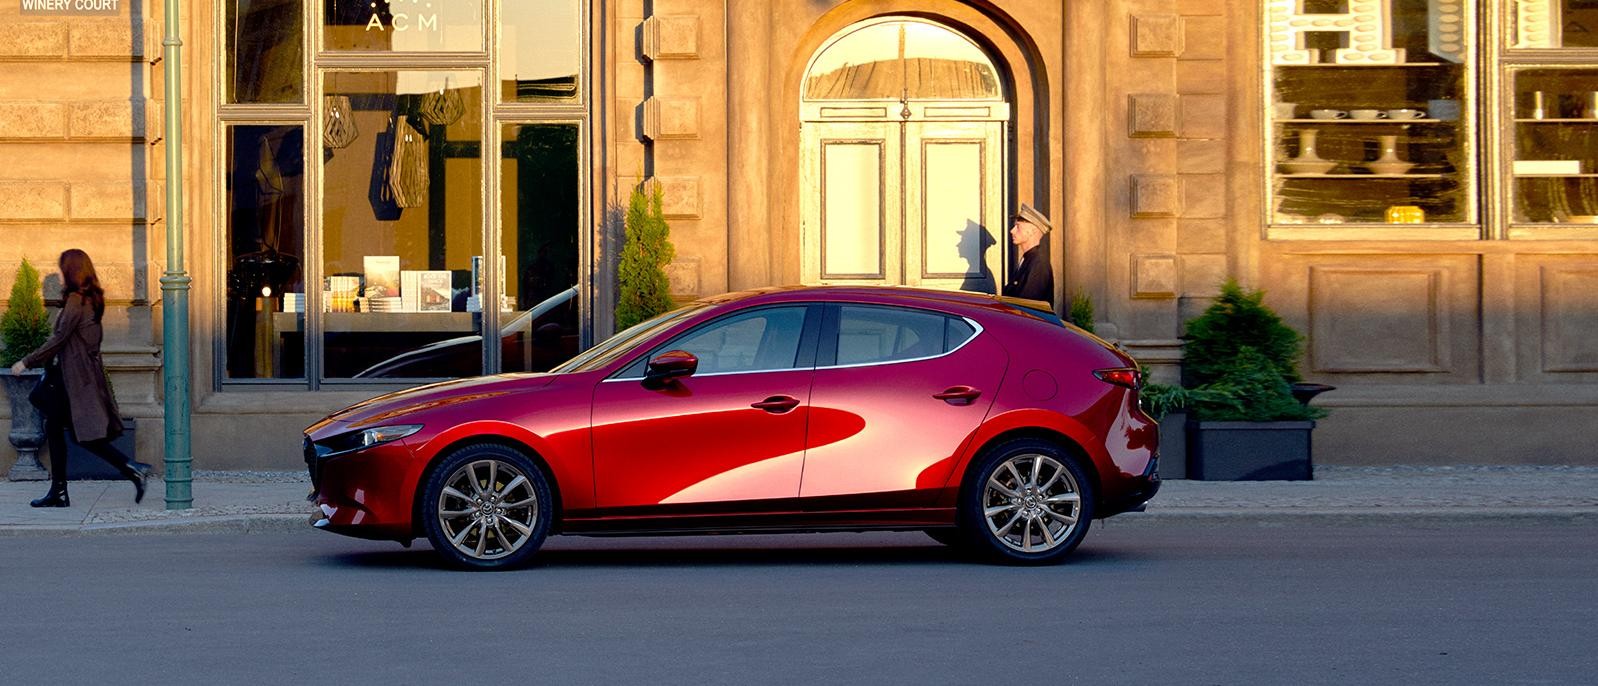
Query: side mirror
point(672, 364)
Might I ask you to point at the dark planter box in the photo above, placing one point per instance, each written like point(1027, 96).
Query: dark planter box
point(1173, 446)
point(82, 464)
point(1249, 451)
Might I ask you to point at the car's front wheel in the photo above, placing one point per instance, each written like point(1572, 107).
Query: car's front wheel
point(486, 506)
point(1030, 502)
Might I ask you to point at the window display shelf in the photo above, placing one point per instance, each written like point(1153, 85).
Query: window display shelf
point(1556, 176)
point(1367, 122)
point(1365, 176)
point(1335, 65)
point(1566, 120)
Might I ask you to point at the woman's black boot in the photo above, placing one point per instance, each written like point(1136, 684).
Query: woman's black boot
point(139, 472)
point(57, 497)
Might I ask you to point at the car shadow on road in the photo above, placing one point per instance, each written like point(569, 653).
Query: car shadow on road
point(656, 554)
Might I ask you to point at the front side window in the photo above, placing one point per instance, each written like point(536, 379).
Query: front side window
point(757, 341)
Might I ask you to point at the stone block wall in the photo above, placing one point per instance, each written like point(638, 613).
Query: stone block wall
point(1168, 104)
point(80, 166)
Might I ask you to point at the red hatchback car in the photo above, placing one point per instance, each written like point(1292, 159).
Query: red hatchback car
point(985, 421)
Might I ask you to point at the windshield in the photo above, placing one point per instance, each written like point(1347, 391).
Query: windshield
point(623, 343)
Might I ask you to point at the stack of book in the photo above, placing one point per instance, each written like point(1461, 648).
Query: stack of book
point(385, 304)
point(294, 302)
point(341, 293)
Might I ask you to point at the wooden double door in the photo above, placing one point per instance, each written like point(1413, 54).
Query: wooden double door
point(904, 193)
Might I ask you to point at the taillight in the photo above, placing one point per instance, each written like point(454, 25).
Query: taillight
point(1126, 377)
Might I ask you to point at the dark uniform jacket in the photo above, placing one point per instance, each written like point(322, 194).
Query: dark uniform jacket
point(76, 344)
point(1034, 279)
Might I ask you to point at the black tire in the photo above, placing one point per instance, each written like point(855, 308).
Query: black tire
point(500, 524)
point(1046, 485)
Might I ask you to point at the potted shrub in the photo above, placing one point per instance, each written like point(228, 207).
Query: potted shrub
point(23, 328)
point(1248, 416)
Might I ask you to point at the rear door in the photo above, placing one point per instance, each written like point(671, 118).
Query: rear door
point(896, 392)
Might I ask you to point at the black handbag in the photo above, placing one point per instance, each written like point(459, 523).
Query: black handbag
point(50, 394)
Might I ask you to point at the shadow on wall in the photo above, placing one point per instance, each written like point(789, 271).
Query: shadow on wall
point(974, 240)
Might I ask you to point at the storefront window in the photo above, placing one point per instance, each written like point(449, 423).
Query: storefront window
point(1372, 113)
point(402, 226)
point(1552, 24)
point(265, 56)
point(1554, 146)
point(540, 214)
point(404, 25)
point(540, 49)
point(265, 228)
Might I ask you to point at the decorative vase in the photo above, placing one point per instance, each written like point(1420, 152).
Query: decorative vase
point(1389, 162)
point(27, 426)
point(1308, 162)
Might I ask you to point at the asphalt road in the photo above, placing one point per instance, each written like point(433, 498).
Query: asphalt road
point(1176, 602)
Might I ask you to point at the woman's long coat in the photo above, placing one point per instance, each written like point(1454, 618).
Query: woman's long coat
point(76, 343)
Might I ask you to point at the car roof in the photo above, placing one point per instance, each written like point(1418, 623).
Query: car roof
point(890, 295)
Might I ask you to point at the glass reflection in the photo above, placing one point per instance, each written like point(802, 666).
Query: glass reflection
point(401, 227)
point(540, 49)
point(1555, 165)
point(903, 60)
point(265, 56)
point(540, 216)
point(404, 25)
point(1553, 24)
point(265, 234)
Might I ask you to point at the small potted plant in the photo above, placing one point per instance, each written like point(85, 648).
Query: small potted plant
point(1249, 418)
point(23, 328)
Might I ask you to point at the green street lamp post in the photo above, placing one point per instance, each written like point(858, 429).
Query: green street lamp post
point(175, 283)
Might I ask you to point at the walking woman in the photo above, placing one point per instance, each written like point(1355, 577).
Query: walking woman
point(85, 401)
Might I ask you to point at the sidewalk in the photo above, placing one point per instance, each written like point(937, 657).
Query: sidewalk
point(249, 502)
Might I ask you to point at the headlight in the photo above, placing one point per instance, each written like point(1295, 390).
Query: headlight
point(365, 438)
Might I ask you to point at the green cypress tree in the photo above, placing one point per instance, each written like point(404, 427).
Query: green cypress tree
point(25, 326)
point(643, 288)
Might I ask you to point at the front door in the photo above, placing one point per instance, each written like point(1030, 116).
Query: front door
point(903, 154)
point(733, 431)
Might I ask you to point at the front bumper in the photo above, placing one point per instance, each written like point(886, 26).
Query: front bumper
point(367, 493)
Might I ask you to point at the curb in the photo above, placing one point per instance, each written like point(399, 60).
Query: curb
point(202, 524)
point(1363, 516)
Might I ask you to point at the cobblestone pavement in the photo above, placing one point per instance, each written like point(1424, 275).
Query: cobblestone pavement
point(247, 501)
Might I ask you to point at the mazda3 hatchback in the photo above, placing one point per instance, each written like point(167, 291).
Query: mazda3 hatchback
point(985, 421)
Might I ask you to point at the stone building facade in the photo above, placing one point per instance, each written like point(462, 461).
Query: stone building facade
point(1157, 135)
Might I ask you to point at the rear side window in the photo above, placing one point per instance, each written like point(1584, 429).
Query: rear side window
point(869, 335)
point(958, 332)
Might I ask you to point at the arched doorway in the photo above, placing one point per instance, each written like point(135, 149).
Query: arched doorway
point(903, 124)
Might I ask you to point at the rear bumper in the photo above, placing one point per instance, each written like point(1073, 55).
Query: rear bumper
point(1141, 489)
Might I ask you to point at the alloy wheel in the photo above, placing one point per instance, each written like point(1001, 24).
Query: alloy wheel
point(1031, 503)
point(488, 509)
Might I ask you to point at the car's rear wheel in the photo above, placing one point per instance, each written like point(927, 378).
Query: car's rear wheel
point(1030, 502)
point(487, 506)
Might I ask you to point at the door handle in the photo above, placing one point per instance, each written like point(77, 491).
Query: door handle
point(958, 395)
point(777, 404)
